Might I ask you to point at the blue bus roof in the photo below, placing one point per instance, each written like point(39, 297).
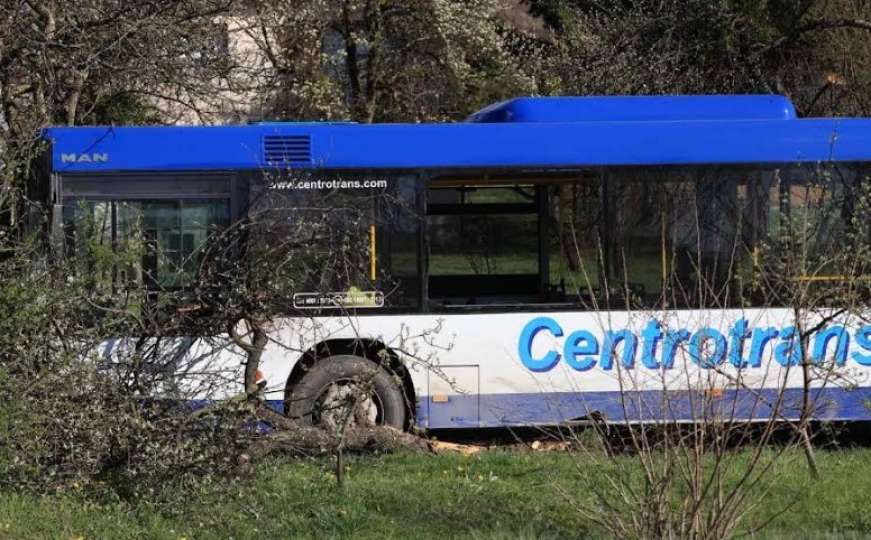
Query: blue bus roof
point(524, 132)
point(637, 109)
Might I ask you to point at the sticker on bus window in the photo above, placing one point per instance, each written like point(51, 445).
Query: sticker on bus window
point(353, 298)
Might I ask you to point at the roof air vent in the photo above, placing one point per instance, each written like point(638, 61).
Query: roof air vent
point(287, 150)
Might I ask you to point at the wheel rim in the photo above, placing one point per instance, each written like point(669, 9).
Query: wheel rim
point(347, 402)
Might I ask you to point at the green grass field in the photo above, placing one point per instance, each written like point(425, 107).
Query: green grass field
point(494, 495)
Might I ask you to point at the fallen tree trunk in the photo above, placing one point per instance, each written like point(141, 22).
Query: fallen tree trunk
point(289, 436)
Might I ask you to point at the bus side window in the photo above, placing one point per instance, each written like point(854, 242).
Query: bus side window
point(649, 236)
point(635, 237)
point(357, 243)
point(156, 243)
point(397, 243)
point(798, 225)
point(576, 237)
point(674, 237)
point(819, 225)
point(88, 232)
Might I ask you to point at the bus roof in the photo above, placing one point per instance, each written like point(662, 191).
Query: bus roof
point(524, 132)
point(637, 109)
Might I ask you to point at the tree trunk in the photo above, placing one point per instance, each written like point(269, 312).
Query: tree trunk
point(296, 439)
point(252, 364)
point(253, 348)
point(809, 453)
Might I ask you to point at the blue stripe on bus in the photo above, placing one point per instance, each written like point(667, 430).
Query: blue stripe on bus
point(498, 410)
point(503, 410)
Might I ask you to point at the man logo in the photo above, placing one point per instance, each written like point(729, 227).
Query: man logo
point(95, 157)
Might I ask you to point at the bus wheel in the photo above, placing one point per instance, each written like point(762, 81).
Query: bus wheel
point(347, 390)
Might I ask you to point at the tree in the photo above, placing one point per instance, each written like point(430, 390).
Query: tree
point(807, 50)
point(99, 62)
point(371, 61)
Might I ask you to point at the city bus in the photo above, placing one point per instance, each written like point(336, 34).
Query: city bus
point(548, 260)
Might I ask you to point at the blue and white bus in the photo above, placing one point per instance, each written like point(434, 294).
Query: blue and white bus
point(544, 261)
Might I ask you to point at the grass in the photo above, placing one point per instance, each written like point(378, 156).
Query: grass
point(495, 495)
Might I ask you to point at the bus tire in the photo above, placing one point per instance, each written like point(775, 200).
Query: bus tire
point(305, 399)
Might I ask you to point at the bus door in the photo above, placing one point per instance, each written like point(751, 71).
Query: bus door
point(486, 242)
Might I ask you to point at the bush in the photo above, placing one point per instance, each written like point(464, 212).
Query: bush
point(68, 421)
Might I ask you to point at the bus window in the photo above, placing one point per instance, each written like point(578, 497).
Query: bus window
point(674, 237)
point(576, 239)
point(156, 243)
point(820, 219)
point(707, 245)
point(397, 243)
point(639, 220)
point(339, 242)
point(88, 226)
